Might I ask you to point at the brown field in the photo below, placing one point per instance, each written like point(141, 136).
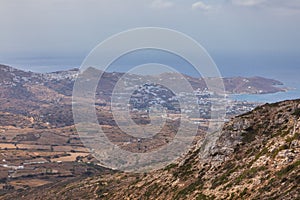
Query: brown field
point(7, 146)
point(70, 148)
point(70, 158)
point(31, 182)
point(33, 146)
point(45, 153)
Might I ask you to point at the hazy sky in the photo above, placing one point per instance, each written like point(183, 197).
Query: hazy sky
point(237, 33)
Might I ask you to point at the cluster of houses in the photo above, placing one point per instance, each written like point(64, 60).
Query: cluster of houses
point(199, 104)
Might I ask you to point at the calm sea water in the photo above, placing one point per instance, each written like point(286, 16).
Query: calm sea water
point(268, 98)
point(288, 77)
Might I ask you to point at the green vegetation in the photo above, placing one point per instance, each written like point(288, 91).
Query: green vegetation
point(272, 105)
point(282, 132)
point(187, 168)
point(295, 137)
point(151, 190)
point(183, 171)
point(198, 184)
point(264, 151)
point(171, 166)
point(288, 169)
point(248, 136)
point(268, 186)
point(204, 197)
point(224, 178)
point(276, 151)
point(232, 195)
point(250, 173)
point(244, 192)
point(296, 112)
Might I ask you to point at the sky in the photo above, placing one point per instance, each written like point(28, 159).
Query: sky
point(244, 37)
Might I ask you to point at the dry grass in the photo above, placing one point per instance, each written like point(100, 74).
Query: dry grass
point(33, 146)
point(70, 158)
point(31, 182)
point(7, 146)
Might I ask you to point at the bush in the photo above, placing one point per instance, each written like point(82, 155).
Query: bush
point(288, 169)
point(296, 112)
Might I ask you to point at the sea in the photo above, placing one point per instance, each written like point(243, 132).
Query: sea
point(267, 98)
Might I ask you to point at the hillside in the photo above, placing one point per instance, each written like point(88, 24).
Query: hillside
point(39, 144)
point(62, 82)
point(42, 96)
point(257, 156)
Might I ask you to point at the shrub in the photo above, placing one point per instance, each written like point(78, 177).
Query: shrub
point(296, 112)
point(288, 169)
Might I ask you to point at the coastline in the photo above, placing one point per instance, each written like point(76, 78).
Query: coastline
point(289, 94)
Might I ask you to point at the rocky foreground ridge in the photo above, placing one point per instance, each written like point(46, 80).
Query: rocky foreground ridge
point(257, 156)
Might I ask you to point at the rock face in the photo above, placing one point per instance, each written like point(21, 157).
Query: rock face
point(257, 156)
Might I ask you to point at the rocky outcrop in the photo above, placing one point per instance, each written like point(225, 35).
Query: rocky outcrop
point(257, 156)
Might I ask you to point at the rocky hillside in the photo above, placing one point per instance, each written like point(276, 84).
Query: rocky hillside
point(257, 156)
